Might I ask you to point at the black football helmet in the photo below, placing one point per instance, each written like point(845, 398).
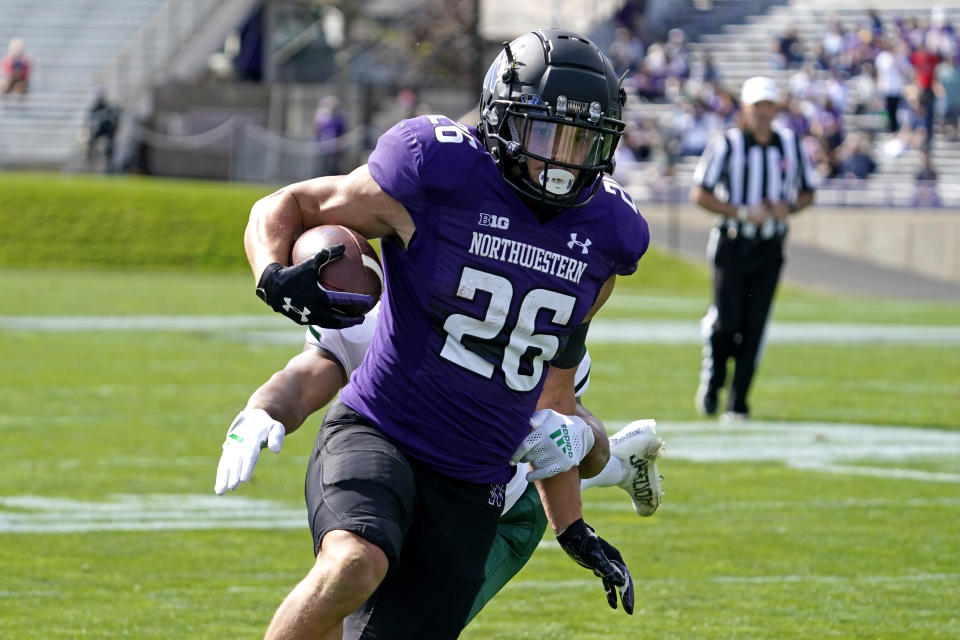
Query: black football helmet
point(550, 107)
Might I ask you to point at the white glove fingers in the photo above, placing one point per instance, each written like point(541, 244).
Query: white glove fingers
point(248, 459)
point(544, 473)
point(222, 474)
point(233, 472)
point(275, 437)
point(589, 439)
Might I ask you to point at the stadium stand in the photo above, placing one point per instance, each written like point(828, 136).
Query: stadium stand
point(741, 50)
point(122, 46)
point(68, 40)
point(130, 46)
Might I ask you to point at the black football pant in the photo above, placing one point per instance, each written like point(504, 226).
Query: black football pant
point(745, 276)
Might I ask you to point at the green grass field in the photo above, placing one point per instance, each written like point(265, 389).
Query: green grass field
point(833, 515)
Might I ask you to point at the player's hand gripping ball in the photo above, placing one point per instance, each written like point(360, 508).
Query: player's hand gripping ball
point(312, 292)
point(358, 270)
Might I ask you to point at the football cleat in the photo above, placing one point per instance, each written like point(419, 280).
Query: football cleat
point(638, 447)
point(735, 416)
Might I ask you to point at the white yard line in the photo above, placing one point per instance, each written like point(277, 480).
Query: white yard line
point(747, 580)
point(271, 328)
point(888, 453)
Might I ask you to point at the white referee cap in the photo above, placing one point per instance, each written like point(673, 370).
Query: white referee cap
point(759, 88)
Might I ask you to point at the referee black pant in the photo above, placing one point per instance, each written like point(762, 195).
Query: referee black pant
point(745, 276)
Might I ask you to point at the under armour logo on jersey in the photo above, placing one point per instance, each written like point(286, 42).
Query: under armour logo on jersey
point(497, 222)
point(289, 307)
point(496, 495)
point(583, 245)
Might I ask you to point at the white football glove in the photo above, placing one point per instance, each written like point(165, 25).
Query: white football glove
point(252, 430)
point(556, 444)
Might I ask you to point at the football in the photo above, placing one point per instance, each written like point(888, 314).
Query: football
point(358, 270)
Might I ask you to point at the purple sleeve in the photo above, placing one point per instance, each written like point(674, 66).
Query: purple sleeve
point(396, 165)
point(636, 239)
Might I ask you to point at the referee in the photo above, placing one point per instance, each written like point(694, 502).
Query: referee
point(754, 176)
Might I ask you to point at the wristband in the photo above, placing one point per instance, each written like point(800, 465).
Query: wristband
point(743, 213)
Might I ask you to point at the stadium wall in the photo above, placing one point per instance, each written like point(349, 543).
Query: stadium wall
point(921, 241)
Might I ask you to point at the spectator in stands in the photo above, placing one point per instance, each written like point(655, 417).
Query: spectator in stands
point(656, 67)
point(691, 129)
point(708, 71)
point(947, 88)
point(912, 33)
point(832, 42)
point(836, 90)
point(802, 84)
point(792, 117)
point(911, 134)
point(626, 50)
point(16, 67)
point(891, 65)
point(856, 156)
point(863, 91)
point(876, 22)
point(925, 192)
point(924, 63)
point(827, 125)
point(941, 37)
point(678, 54)
point(723, 104)
point(788, 49)
point(103, 119)
point(329, 125)
point(630, 15)
point(639, 141)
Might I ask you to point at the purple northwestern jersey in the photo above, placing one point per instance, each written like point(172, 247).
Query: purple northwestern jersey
point(481, 300)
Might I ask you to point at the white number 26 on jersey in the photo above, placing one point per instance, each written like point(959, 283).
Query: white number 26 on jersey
point(522, 337)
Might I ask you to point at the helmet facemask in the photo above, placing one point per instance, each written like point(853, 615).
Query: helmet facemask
point(559, 156)
point(552, 126)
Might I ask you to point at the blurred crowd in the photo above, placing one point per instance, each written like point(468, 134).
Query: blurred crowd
point(902, 71)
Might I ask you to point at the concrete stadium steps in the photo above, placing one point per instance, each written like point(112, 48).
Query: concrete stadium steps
point(68, 42)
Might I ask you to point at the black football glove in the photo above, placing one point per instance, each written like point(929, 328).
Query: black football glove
point(295, 292)
point(591, 551)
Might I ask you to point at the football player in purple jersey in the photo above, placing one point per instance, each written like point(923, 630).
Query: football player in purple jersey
point(328, 359)
point(498, 243)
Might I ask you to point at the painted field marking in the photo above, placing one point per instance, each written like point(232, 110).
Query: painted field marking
point(880, 451)
point(885, 452)
point(868, 579)
point(272, 328)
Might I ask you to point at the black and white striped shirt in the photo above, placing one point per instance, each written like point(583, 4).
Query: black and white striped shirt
point(743, 172)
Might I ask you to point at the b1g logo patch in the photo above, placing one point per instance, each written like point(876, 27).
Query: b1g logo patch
point(494, 222)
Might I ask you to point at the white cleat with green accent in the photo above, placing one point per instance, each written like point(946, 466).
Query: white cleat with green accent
point(638, 447)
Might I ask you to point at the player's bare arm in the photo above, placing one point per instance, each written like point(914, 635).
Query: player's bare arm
point(277, 408)
point(596, 459)
point(354, 200)
point(305, 385)
point(560, 494)
point(555, 392)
